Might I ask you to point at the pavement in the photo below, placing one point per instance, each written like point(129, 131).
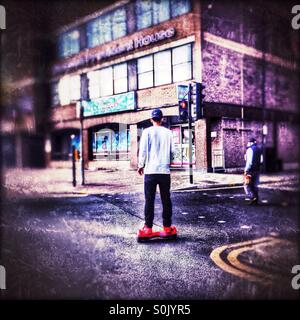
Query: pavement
point(114, 179)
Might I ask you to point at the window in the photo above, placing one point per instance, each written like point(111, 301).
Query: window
point(179, 7)
point(165, 67)
point(69, 89)
point(143, 13)
point(99, 31)
point(108, 81)
point(162, 67)
point(93, 33)
point(119, 23)
point(151, 12)
point(182, 63)
point(94, 84)
point(161, 11)
point(106, 28)
point(120, 78)
point(75, 87)
point(145, 72)
point(69, 43)
point(54, 94)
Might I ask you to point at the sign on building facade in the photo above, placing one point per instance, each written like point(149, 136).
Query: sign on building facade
point(116, 103)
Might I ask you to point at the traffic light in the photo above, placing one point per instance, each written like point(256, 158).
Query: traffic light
point(197, 98)
point(202, 96)
point(183, 110)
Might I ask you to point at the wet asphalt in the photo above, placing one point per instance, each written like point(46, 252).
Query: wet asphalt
point(85, 247)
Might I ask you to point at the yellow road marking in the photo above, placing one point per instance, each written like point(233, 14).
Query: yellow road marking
point(206, 189)
point(237, 268)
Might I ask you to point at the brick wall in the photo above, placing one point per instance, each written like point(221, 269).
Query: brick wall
point(235, 38)
point(184, 26)
point(156, 97)
point(235, 135)
point(288, 145)
point(221, 74)
point(63, 113)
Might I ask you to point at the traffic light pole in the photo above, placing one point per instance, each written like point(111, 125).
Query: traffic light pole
point(190, 135)
point(73, 166)
point(82, 142)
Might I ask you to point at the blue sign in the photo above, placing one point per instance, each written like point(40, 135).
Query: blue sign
point(111, 104)
point(182, 91)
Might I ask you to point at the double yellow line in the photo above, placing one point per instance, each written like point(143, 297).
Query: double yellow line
point(234, 266)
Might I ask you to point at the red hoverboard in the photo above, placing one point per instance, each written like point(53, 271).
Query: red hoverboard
point(143, 237)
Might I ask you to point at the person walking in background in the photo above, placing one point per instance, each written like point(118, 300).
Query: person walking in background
point(155, 155)
point(252, 170)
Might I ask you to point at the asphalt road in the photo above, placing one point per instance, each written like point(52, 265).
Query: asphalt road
point(85, 247)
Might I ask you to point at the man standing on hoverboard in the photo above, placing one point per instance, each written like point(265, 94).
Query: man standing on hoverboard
point(155, 154)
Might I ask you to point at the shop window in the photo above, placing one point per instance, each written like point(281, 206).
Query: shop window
point(181, 145)
point(69, 89)
point(145, 72)
point(106, 28)
point(182, 63)
point(68, 43)
point(151, 12)
point(111, 144)
point(162, 67)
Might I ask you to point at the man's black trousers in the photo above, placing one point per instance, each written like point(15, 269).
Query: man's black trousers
point(150, 183)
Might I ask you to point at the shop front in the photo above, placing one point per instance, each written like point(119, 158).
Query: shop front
point(108, 140)
point(111, 143)
point(181, 144)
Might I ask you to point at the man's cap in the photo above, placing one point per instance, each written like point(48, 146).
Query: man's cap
point(253, 140)
point(157, 114)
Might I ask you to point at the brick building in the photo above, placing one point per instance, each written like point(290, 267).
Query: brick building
point(127, 58)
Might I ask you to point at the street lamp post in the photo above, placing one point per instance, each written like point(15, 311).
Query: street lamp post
point(82, 144)
point(190, 136)
point(73, 161)
point(81, 117)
